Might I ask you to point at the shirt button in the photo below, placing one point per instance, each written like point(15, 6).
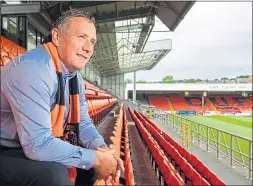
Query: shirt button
point(84, 166)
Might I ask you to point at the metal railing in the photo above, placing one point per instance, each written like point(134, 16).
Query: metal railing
point(236, 148)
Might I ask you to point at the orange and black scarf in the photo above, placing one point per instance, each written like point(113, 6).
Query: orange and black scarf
point(70, 131)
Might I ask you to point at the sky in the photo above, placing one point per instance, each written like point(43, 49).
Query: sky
point(214, 40)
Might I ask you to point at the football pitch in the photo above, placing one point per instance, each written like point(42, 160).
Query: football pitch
point(238, 125)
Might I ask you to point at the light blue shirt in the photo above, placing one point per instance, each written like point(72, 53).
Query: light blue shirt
point(28, 89)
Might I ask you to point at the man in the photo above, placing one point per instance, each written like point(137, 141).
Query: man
point(46, 132)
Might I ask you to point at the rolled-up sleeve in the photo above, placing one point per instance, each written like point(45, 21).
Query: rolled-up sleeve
point(27, 87)
point(89, 136)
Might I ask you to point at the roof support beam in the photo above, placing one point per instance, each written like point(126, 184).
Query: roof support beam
point(145, 33)
point(119, 28)
point(23, 8)
point(118, 71)
point(123, 15)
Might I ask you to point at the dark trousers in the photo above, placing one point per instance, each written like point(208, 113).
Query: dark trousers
point(16, 169)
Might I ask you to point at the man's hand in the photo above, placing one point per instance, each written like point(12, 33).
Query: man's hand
point(120, 167)
point(105, 164)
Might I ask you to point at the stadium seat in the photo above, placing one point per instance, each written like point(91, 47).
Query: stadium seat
point(204, 182)
point(196, 178)
point(214, 180)
point(9, 50)
point(194, 161)
point(176, 179)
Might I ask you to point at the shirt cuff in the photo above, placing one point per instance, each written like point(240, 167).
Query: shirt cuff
point(88, 159)
point(96, 143)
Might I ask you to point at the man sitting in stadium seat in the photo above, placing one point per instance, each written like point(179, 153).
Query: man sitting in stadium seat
point(47, 136)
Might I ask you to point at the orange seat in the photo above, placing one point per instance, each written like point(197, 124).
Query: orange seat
point(8, 50)
point(5, 60)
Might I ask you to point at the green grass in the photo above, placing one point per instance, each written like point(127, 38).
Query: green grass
point(238, 125)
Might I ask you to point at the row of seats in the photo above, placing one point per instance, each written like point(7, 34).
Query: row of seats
point(169, 174)
point(129, 174)
point(181, 158)
point(99, 108)
point(173, 157)
point(189, 167)
point(9, 50)
point(194, 102)
point(120, 130)
point(115, 142)
point(93, 92)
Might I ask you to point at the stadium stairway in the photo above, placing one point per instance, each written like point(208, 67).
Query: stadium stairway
point(171, 105)
point(211, 104)
point(143, 171)
point(230, 176)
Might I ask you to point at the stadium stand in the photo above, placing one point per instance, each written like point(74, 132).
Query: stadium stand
point(242, 103)
point(170, 157)
point(228, 103)
point(191, 103)
point(173, 164)
point(231, 103)
point(9, 50)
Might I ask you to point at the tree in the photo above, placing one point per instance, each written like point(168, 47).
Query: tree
point(189, 80)
point(192, 80)
point(141, 81)
point(243, 76)
point(168, 79)
point(197, 80)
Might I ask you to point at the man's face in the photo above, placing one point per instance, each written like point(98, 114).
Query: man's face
point(75, 45)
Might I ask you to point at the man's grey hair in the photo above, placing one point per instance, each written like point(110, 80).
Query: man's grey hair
point(62, 22)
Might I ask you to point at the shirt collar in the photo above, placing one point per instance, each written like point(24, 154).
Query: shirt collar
point(65, 72)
